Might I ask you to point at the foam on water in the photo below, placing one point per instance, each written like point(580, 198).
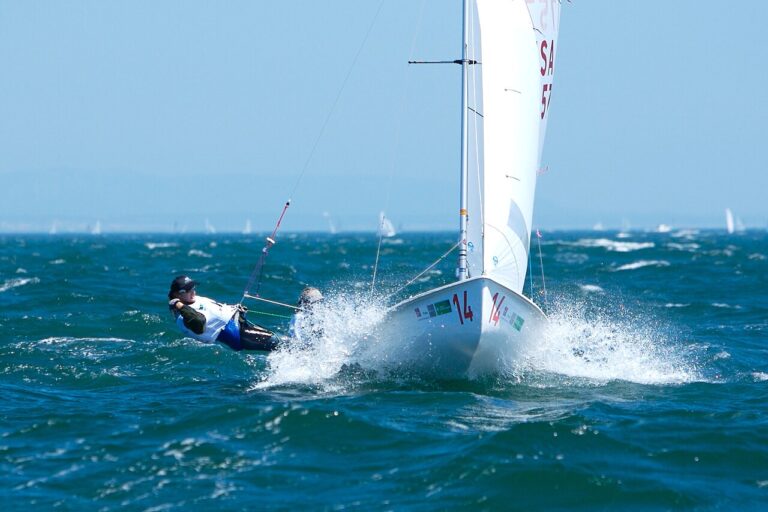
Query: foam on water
point(14, 283)
point(643, 263)
point(613, 245)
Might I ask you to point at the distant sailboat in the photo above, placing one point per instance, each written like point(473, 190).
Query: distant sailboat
point(96, 229)
point(331, 226)
point(663, 228)
point(247, 228)
point(733, 224)
point(54, 228)
point(598, 226)
point(729, 226)
point(386, 229)
point(209, 229)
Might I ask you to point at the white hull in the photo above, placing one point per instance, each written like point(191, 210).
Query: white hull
point(467, 328)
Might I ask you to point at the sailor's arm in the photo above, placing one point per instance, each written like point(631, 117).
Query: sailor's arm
point(193, 320)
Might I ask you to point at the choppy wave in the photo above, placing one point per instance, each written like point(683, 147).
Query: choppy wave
point(613, 245)
point(15, 283)
point(160, 245)
point(641, 264)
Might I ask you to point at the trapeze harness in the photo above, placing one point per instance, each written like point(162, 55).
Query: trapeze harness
point(223, 323)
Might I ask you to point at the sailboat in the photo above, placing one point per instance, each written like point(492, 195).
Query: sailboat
point(729, 226)
point(471, 326)
point(386, 228)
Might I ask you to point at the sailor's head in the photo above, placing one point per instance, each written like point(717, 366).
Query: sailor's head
point(309, 297)
point(183, 287)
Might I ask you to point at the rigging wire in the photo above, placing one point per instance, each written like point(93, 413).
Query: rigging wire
point(476, 137)
point(258, 271)
point(530, 271)
point(397, 144)
point(441, 258)
point(541, 265)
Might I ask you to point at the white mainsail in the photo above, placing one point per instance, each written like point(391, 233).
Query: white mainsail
point(729, 221)
point(513, 44)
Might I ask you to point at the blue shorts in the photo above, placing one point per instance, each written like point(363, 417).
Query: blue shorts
point(230, 336)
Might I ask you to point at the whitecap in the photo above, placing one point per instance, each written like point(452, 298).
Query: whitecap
point(723, 305)
point(676, 305)
point(760, 376)
point(591, 288)
point(613, 245)
point(683, 247)
point(757, 256)
point(21, 281)
point(160, 245)
point(641, 264)
point(57, 262)
point(197, 252)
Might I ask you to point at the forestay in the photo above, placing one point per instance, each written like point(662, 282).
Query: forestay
point(509, 89)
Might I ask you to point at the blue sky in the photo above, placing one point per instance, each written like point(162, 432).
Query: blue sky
point(148, 115)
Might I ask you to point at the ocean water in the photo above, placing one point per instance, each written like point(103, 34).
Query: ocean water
point(649, 391)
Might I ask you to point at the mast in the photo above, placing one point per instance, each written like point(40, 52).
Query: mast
point(461, 271)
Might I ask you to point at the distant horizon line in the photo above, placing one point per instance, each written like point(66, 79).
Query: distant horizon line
point(266, 232)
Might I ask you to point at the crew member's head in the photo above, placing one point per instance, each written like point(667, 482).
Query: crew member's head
point(309, 297)
point(183, 288)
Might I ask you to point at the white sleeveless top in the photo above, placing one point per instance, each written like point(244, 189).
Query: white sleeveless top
point(217, 315)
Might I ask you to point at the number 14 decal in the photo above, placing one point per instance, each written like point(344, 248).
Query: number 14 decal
point(466, 312)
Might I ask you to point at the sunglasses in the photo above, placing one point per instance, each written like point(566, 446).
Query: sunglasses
point(186, 291)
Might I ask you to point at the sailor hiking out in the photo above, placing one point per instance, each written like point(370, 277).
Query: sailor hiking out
point(209, 321)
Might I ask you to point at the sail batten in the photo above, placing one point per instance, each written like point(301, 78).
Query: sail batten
point(514, 42)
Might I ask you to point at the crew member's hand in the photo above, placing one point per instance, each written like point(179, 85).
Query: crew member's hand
point(175, 304)
point(242, 309)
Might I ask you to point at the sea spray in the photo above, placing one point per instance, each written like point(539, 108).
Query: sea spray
point(599, 345)
point(344, 325)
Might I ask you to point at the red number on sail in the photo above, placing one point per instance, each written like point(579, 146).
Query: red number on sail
point(545, 99)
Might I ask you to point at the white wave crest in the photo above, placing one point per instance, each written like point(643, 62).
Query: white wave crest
point(591, 288)
point(641, 264)
point(19, 281)
point(160, 245)
point(613, 245)
point(683, 247)
point(197, 252)
point(723, 305)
